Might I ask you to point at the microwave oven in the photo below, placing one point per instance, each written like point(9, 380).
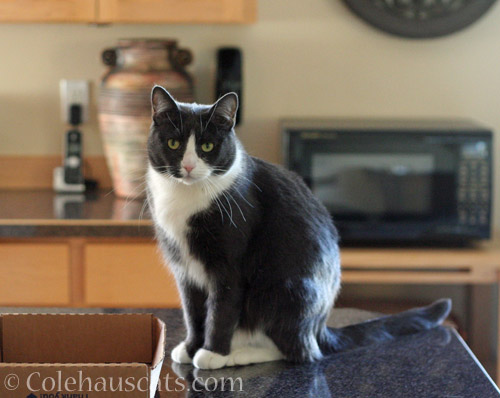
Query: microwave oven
point(397, 180)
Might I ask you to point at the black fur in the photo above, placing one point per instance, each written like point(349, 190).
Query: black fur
point(274, 262)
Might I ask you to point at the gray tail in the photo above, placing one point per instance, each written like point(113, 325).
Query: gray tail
point(385, 328)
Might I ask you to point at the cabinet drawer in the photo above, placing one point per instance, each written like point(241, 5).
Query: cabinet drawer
point(34, 274)
point(47, 10)
point(127, 275)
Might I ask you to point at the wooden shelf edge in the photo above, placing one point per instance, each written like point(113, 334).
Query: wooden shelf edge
point(418, 278)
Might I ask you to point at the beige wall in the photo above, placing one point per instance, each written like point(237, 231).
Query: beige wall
point(303, 58)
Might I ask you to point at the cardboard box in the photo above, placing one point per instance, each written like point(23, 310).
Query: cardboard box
point(80, 355)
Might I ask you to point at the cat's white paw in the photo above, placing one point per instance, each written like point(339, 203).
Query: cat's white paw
point(179, 354)
point(205, 359)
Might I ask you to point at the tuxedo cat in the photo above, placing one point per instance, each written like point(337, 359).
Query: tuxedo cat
point(254, 253)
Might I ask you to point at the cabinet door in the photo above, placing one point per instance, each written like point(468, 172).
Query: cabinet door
point(127, 275)
point(177, 11)
point(48, 10)
point(34, 274)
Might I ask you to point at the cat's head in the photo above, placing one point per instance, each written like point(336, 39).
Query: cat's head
point(191, 142)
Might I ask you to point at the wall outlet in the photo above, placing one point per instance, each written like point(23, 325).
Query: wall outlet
point(74, 92)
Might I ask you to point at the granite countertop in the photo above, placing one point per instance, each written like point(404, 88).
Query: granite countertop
point(43, 213)
point(46, 214)
point(430, 364)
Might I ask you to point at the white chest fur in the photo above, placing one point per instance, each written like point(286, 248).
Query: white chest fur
point(174, 203)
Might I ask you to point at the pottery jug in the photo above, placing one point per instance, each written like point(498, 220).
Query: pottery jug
point(135, 66)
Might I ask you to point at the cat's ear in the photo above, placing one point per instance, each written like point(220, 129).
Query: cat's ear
point(226, 107)
point(162, 101)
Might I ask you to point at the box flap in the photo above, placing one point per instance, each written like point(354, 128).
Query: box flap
point(159, 334)
point(77, 338)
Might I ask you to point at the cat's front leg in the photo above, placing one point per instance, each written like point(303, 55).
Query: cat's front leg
point(194, 309)
point(223, 313)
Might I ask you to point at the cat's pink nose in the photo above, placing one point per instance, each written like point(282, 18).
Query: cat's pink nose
point(188, 168)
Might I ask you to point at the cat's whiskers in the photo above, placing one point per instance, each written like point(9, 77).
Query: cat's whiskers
point(226, 192)
point(113, 190)
point(219, 169)
point(110, 192)
point(166, 171)
point(129, 200)
point(165, 167)
point(219, 204)
point(230, 208)
point(214, 198)
point(143, 208)
point(218, 200)
point(235, 187)
point(141, 186)
point(237, 205)
point(230, 215)
point(239, 176)
point(243, 197)
point(250, 181)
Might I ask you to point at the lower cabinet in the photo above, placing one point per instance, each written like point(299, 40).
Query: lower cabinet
point(34, 274)
point(85, 273)
point(127, 275)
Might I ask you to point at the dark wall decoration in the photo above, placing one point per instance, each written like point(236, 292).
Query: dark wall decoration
point(420, 18)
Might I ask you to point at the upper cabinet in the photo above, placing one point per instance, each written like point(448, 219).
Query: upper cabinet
point(48, 10)
point(177, 11)
point(129, 11)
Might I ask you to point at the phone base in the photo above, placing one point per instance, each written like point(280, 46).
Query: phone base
point(60, 185)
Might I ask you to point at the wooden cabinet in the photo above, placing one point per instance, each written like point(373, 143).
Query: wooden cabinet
point(127, 275)
point(34, 274)
point(80, 272)
point(177, 11)
point(47, 10)
point(129, 272)
point(129, 11)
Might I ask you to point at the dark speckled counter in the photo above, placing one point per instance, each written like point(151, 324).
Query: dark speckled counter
point(433, 364)
point(44, 214)
point(427, 365)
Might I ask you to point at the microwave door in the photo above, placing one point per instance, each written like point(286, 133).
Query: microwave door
point(374, 186)
point(404, 184)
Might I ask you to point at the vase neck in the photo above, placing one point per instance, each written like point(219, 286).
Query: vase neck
point(139, 58)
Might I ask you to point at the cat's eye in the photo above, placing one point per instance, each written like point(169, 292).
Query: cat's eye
point(173, 144)
point(207, 146)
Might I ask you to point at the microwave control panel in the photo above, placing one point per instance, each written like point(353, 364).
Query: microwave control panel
point(474, 185)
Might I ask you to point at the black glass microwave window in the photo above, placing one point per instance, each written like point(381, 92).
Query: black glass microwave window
point(378, 185)
point(361, 176)
point(398, 184)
